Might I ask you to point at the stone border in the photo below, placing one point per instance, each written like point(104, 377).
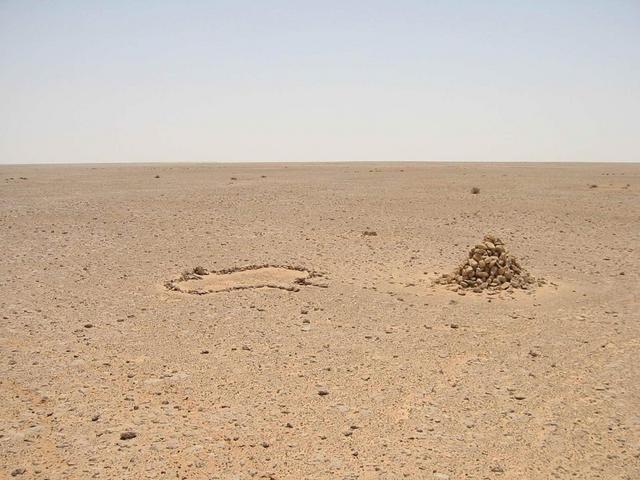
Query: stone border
point(198, 273)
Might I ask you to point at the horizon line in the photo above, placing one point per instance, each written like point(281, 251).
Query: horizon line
point(320, 162)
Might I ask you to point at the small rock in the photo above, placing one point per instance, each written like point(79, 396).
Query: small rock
point(128, 435)
point(323, 391)
point(18, 471)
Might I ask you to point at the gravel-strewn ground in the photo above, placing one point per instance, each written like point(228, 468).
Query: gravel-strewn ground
point(104, 373)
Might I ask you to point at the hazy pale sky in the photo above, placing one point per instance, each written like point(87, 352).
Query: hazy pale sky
point(139, 81)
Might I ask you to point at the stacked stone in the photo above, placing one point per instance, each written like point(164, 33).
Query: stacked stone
point(489, 267)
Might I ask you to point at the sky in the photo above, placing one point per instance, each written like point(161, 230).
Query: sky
point(285, 80)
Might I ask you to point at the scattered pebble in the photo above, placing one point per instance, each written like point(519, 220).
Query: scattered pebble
point(200, 270)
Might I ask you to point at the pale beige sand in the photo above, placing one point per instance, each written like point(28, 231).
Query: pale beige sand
point(420, 382)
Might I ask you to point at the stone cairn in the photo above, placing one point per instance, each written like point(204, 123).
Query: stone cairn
point(488, 267)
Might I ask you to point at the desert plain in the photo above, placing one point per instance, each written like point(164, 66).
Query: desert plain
point(316, 344)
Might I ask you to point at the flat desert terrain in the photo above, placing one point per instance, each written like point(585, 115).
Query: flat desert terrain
point(333, 354)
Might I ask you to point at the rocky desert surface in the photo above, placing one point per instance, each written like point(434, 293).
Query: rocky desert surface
point(286, 321)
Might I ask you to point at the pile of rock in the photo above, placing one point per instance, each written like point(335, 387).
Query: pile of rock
point(489, 267)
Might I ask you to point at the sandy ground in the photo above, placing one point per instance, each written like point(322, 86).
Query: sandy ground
point(378, 375)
